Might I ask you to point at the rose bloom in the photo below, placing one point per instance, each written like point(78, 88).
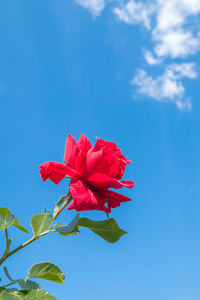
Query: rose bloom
point(93, 170)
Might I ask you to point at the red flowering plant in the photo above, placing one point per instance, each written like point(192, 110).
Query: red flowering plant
point(93, 171)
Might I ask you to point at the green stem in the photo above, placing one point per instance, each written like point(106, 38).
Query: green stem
point(7, 274)
point(8, 241)
point(34, 238)
point(68, 200)
point(9, 284)
point(8, 253)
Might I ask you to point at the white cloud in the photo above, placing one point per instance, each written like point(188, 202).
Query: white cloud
point(173, 34)
point(94, 6)
point(168, 86)
point(177, 71)
point(176, 43)
point(174, 31)
point(169, 18)
point(174, 13)
point(151, 59)
point(134, 12)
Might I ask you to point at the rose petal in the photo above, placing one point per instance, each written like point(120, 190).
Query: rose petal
point(69, 146)
point(84, 198)
point(101, 181)
point(93, 158)
point(114, 199)
point(84, 144)
point(80, 161)
point(55, 171)
point(107, 159)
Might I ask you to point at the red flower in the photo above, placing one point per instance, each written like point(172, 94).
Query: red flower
point(93, 170)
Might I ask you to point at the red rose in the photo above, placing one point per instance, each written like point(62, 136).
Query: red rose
point(93, 170)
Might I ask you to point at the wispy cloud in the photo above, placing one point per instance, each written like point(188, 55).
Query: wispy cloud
point(135, 12)
point(172, 28)
point(166, 87)
point(175, 35)
point(151, 59)
point(174, 32)
point(94, 6)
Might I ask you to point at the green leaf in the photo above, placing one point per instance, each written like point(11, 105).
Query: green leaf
point(5, 212)
point(108, 229)
point(20, 226)
point(25, 294)
point(8, 221)
point(71, 228)
point(40, 223)
point(39, 294)
point(6, 295)
point(28, 284)
point(46, 270)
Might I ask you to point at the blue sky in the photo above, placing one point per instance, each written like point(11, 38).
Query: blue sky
point(107, 69)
